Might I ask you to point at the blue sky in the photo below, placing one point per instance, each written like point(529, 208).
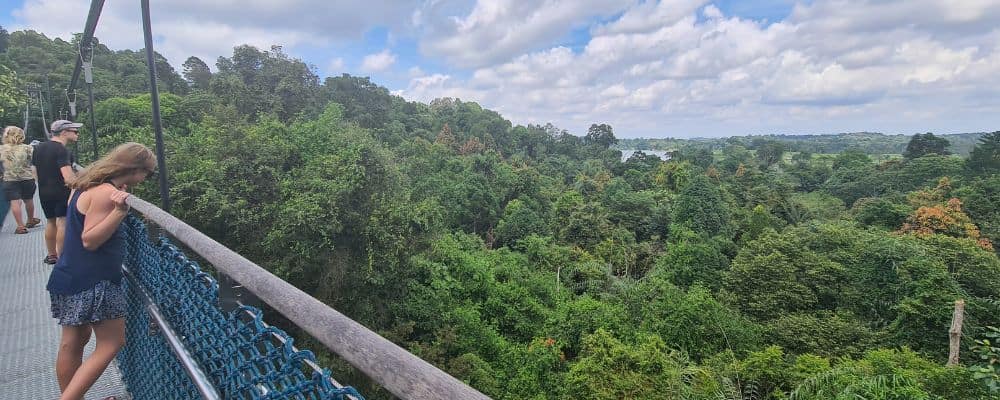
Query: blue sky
point(650, 68)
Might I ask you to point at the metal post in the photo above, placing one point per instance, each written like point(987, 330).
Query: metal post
point(93, 121)
point(155, 95)
point(27, 109)
point(41, 105)
point(88, 78)
point(48, 95)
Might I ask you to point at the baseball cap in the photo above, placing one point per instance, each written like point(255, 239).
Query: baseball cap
point(62, 124)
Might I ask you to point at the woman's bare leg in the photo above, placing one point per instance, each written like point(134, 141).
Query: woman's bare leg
point(74, 339)
point(110, 338)
point(15, 208)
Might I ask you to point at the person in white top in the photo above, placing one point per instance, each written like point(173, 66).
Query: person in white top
point(18, 178)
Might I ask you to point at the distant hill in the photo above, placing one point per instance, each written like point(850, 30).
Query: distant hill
point(869, 142)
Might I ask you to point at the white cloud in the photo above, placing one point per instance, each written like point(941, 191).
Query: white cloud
point(335, 65)
point(179, 40)
point(651, 15)
point(209, 29)
point(423, 84)
point(497, 30)
point(378, 61)
point(832, 65)
point(647, 67)
point(711, 12)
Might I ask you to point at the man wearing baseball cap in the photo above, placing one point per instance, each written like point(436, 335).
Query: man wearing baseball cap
point(54, 168)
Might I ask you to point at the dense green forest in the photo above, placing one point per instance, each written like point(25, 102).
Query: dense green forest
point(866, 142)
point(534, 264)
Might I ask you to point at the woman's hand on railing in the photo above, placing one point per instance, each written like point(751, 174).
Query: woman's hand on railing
point(118, 197)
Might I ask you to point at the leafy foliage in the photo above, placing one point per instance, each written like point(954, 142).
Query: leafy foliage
point(534, 263)
point(699, 207)
point(987, 350)
point(923, 144)
point(11, 96)
point(985, 157)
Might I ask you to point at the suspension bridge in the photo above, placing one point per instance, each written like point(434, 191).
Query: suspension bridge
point(182, 341)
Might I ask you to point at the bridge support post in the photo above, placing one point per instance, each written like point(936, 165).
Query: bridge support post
point(155, 96)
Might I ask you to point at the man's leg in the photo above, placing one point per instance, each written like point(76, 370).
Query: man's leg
point(29, 205)
point(51, 231)
point(28, 195)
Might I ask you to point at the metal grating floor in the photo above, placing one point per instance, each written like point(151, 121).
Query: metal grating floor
point(29, 336)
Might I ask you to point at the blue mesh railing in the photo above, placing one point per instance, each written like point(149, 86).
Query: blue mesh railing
point(204, 352)
point(240, 355)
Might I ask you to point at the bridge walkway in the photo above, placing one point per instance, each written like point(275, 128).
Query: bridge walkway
point(29, 336)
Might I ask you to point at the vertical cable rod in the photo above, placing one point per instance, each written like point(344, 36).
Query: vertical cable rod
point(88, 78)
point(161, 161)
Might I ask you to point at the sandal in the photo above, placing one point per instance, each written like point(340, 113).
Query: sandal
point(32, 222)
point(21, 230)
point(50, 259)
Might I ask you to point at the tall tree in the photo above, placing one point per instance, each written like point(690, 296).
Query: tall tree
point(445, 137)
point(4, 39)
point(196, 72)
point(985, 157)
point(923, 144)
point(266, 82)
point(364, 101)
point(601, 134)
point(700, 208)
point(769, 152)
point(10, 93)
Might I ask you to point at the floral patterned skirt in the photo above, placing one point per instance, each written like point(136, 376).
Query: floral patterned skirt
point(104, 301)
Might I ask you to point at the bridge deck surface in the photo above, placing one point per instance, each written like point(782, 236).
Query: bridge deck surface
point(29, 336)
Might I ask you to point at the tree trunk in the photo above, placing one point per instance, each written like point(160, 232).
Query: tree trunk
point(955, 333)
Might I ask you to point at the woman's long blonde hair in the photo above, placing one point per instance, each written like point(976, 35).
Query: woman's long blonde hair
point(125, 159)
point(13, 135)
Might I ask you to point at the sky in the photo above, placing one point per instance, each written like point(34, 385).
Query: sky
point(669, 68)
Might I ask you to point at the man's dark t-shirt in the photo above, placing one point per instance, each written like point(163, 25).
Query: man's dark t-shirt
point(48, 159)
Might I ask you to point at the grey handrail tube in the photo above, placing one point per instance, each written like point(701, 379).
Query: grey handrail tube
point(403, 374)
point(191, 367)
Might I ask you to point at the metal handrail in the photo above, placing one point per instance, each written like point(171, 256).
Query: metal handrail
point(191, 367)
point(401, 373)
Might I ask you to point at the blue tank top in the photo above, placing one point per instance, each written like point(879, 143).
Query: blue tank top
point(79, 269)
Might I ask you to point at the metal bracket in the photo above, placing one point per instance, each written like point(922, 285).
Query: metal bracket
point(232, 294)
point(152, 329)
point(87, 62)
point(88, 71)
point(72, 103)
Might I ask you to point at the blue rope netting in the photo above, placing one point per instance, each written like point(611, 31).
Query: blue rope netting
point(237, 352)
